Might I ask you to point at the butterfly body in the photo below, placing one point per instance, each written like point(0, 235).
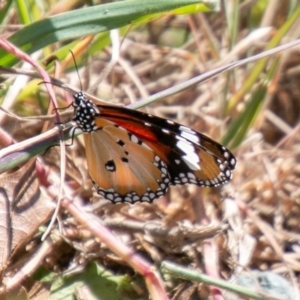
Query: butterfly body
point(133, 156)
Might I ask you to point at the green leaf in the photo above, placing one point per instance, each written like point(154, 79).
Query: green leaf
point(97, 283)
point(85, 21)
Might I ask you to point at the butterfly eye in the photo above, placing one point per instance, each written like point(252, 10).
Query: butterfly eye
point(133, 156)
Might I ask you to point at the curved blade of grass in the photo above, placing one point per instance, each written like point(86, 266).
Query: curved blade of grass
point(242, 123)
point(16, 154)
point(208, 75)
point(188, 274)
point(28, 11)
point(260, 65)
point(4, 10)
point(81, 22)
point(240, 126)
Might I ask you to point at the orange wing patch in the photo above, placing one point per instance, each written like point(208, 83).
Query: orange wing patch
point(122, 167)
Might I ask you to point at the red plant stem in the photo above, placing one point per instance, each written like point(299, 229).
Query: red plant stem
point(153, 280)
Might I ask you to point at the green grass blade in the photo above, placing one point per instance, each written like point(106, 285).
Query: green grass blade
point(81, 22)
point(243, 122)
point(4, 10)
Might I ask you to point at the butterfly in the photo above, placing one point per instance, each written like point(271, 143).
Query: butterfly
point(134, 157)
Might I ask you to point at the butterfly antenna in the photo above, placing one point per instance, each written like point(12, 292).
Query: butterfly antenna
point(76, 67)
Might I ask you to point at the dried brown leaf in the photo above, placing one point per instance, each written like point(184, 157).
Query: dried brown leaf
point(22, 207)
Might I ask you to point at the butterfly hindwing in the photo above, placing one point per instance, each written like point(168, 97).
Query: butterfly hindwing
point(122, 167)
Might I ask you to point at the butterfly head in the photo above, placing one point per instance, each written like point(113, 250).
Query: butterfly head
point(80, 99)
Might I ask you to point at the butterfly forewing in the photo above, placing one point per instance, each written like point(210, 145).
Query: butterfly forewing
point(133, 156)
point(191, 157)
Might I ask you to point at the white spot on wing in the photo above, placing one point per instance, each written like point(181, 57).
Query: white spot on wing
point(146, 146)
point(180, 138)
point(189, 134)
point(134, 139)
point(190, 157)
